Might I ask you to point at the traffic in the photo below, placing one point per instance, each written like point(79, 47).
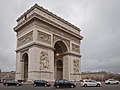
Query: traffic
point(62, 83)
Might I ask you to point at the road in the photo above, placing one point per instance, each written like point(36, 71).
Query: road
point(30, 87)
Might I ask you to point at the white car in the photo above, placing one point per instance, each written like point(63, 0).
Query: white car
point(112, 81)
point(87, 82)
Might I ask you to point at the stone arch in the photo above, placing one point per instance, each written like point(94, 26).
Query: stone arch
point(39, 33)
point(63, 44)
point(66, 42)
point(25, 59)
point(60, 49)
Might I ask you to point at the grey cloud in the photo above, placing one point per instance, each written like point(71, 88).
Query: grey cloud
point(98, 20)
point(102, 37)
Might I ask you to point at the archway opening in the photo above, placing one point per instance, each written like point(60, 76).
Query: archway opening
point(60, 49)
point(59, 69)
point(25, 60)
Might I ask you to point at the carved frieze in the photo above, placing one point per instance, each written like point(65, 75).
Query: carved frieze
point(44, 61)
point(25, 39)
point(43, 37)
point(76, 65)
point(75, 48)
point(57, 31)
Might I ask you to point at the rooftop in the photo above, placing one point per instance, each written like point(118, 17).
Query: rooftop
point(48, 12)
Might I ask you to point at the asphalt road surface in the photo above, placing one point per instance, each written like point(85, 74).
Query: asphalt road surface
point(30, 87)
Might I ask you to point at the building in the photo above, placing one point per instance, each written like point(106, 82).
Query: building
point(48, 47)
point(100, 76)
point(7, 76)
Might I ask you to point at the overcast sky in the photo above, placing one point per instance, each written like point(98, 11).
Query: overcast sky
point(99, 21)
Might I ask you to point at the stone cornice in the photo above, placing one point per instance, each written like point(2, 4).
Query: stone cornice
point(36, 16)
point(31, 44)
point(40, 72)
point(75, 74)
point(49, 13)
point(70, 53)
point(16, 28)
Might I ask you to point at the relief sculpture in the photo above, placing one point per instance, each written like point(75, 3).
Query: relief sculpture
point(25, 39)
point(76, 65)
point(44, 61)
point(75, 48)
point(44, 37)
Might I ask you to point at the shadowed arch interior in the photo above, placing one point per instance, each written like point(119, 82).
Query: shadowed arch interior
point(59, 69)
point(25, 60)
point(60, 48)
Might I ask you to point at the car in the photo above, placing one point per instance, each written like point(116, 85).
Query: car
point(64, 84)
point(11, 83)
point(41, 83)
point(89, 82)
point(111, 81)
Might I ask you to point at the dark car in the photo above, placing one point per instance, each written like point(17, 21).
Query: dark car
point(64, 84)
point(41, 83)
point(11, 83)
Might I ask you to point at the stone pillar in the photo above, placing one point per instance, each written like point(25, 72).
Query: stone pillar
point(18, 67)
point(22, 69)
point(47, 65)
point(33, 63)
point(66, 67)
point(75, 68)
point(51, 63)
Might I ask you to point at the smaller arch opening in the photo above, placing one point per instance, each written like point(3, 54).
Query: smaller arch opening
point(59, 69)
point(25, 71)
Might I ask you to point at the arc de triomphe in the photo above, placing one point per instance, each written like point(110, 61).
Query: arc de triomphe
point(48, 47)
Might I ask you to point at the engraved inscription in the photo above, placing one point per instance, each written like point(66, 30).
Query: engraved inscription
point(43, 37)
point(25, 39)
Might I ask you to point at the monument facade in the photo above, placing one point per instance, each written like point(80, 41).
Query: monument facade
point(48, 47)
